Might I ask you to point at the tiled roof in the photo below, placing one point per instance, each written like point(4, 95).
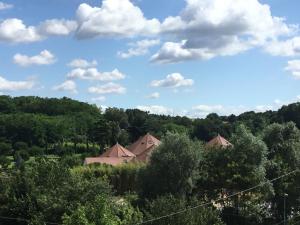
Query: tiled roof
point(117, 151)
point(218, 141)
point(144, 147)
point(143, 143)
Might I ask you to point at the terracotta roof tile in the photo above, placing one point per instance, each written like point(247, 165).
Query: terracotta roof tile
point(218, 141)
point(117, 151)
point(144, 146)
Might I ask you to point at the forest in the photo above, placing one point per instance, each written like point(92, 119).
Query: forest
point(43, 142)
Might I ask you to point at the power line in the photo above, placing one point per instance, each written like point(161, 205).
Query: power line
point(218, 200)
point(25, 220)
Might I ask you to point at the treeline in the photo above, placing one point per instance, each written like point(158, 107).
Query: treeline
point(54, 124)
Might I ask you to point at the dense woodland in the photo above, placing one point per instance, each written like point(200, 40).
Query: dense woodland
point(43, 142)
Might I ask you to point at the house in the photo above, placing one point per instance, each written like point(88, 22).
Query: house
point(144, 147)
point(218, 142)
point(115, 155)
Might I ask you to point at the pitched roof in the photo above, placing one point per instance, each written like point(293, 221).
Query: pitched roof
point(143, 144)
point(218, 141)
point(117, 151)
point(114, 161)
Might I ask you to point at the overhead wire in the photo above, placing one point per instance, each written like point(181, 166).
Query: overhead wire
point(218, 200)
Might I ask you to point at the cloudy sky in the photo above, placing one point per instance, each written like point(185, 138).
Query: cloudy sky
point(188, 57)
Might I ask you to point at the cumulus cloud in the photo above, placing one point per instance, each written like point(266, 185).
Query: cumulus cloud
point(44, 58)
point(210, 28)
point(82, 63)
point(109, 88)
point(173, 80)
point(201, 111)
point(99, 99)
point(294, 68)
point(139, 48)
point(156, 109)
point(154, 95)
point(57, 27)
point(263, 108)
point(4, 6)
point(115, 18)
point(7, 85)
point(290, 47)
point(94, 74)
point(68, 85)
point(204, 110)
point(14, 30)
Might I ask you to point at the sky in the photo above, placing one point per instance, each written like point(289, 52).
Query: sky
point(180, 57)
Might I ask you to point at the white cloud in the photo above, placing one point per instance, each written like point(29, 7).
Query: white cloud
point(57, 27)
point(156, 109)
point(99, 99)
point(154, 95)
point(290, 47)
point(82, 63)
point(6, 85)
point(94, 74)
point(44, 58)
point(15, 31)
point(139, 48)
point(172, 52)
point(173, 80)
point(294, 68)
point(115, 18)
point(204, 110)
point(68, 85)
point(210, 28)
point(109, 88)
point(263, 108)
point(4, 6)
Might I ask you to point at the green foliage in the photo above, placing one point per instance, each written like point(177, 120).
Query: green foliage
point(5, 148)
point(103, 210)
point(227, 171)
point(283, 142)
point(123, 178)
point(46, 189)
point(168, 204)
point(181, 172)
point(173, 166)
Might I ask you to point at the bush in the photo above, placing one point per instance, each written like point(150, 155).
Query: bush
point(5, 148)
point(123, 178)
point(20, 146)
point(169, 204)
point(71, 160)
point(36, 151)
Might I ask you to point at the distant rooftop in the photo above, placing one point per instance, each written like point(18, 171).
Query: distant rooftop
point(218, 141)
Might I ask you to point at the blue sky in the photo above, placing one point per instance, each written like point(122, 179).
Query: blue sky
point(189, 58)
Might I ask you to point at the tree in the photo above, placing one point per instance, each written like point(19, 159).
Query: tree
point(169, 204)
point(104, 210)
point(283, 141)
point(224, 172)
point(173, 167)
point(45, 189)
